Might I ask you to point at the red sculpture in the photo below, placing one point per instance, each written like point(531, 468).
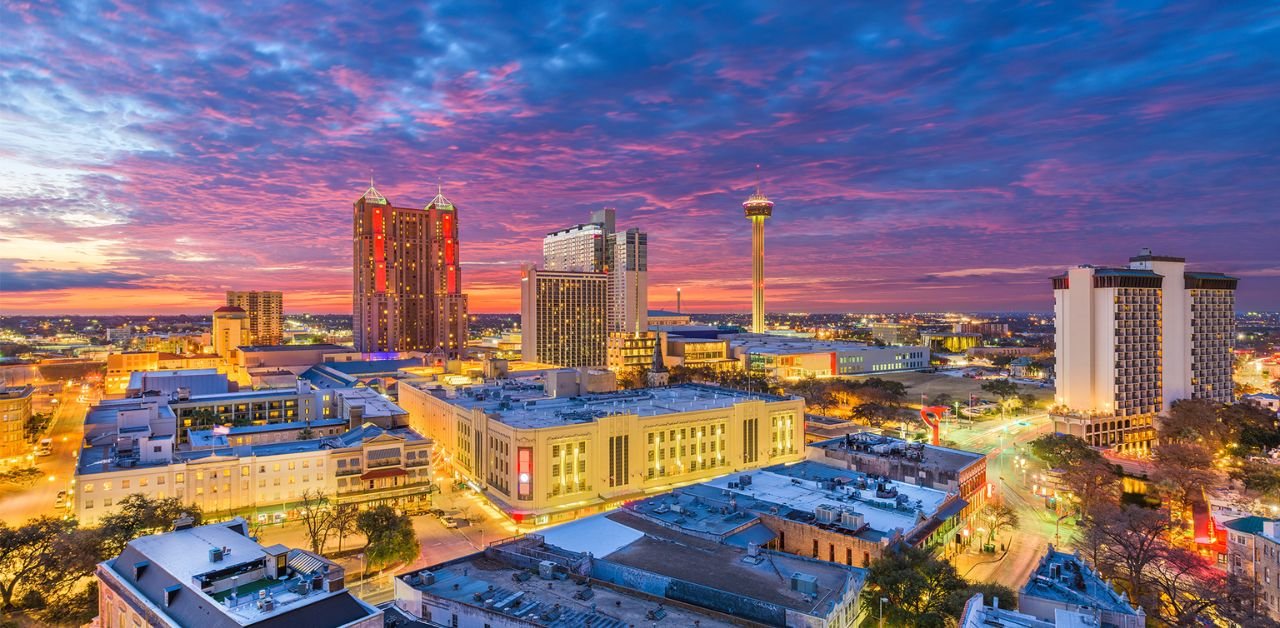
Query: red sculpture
point(932, 416)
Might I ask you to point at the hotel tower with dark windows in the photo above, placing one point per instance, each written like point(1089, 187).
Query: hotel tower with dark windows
point(1131, 341)
point(407, 280)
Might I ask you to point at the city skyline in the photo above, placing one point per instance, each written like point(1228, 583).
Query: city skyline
point(926, 158)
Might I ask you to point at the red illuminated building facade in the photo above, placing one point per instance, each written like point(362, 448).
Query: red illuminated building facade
point(407, 281)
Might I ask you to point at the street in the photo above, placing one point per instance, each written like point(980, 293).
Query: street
point(20, 503)
point(1004, 441)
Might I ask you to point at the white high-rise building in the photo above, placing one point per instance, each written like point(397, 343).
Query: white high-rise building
point(621, 256)
point(1133, 340)
point(628, 281)
point(563, 317)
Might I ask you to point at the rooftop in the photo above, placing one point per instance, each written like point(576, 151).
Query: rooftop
point(15, 392)
point(176, 572)
point(880, 446)
point(719, 566)
point(775, 344)
point(277, 348)
point(206, 438)
point(100, 458)
point(503, 587)
point(805, 487)
point(1247, 525)
point(525, 405)
point(374, 404)
point(1066, 578)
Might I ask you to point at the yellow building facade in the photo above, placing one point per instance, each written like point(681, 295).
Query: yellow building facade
point(544, 459)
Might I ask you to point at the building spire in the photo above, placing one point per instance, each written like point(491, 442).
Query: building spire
point(372, 195)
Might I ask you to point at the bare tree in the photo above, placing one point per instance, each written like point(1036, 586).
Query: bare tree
point(343, 522)
point(997, 516)
point(317, 518)
point(1124, 541)
point(1092, 482)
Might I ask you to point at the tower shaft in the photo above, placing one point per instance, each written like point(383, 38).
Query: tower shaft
point(757, 274)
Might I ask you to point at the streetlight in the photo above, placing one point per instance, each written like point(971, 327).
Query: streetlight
point(882, 601)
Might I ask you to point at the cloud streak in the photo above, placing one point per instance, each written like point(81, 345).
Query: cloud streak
point(941, 157)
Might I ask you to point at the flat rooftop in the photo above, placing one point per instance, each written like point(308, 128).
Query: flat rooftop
point(179, 561)
point(787, 345)
point(806, 486)
point(880, 446)
point(520, 594)
point(280, 348)
point(685, 557)
point(15, 392)
point(375, 405)
point(99, 458)
point(1075, 583)
point(525, 405)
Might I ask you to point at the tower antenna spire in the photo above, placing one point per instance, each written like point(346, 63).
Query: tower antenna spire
point(757, 178)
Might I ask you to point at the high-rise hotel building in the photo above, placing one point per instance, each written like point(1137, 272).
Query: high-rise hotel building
point(623, 256)
point(408, 281)
point(558, 303)
point(562, 317)
point(265, 312)
point(1133, 340)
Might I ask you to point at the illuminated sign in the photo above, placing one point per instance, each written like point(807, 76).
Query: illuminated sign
point(379, 252)
point(524, 472)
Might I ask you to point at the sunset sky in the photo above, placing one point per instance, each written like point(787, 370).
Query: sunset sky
point(940, 156)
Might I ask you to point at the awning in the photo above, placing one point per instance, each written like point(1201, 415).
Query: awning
point(757, 534)
point(383, 473)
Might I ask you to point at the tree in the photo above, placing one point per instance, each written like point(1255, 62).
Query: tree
point(1124, 541)
point(344, 522)
point(25, 552)
point(1187, 589)
point(1182, 470)
point(390, 536)
point(317, 518)
point(920, 588)
point(1192, 420)
point(138, 514)
point(632, 378)
point(1061, 451)
point(997, 516)
point(1259, 476)
point(203, 417)
point(1092, 482)
point(871, 413)
point(1002, 388)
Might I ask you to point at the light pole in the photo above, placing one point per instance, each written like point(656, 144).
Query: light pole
point(882, 601)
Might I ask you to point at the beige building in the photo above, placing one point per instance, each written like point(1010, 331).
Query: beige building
point(266, 314)
point(230, 330)
point(130, 448)
point(1253, 554)
point(563, 317)
point(15, 409)
point(1131, 341)
point(542, 459)
point(629, 350)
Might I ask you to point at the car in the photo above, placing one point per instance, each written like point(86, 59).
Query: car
point(46, 446)
point(435, 512)
point(448, 522)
